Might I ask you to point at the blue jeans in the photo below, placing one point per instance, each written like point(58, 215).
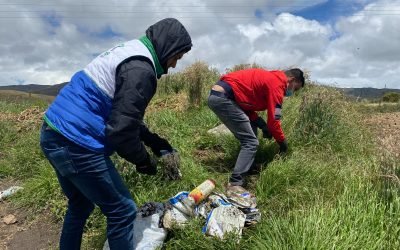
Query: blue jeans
point(239, 124)
point(89, 178)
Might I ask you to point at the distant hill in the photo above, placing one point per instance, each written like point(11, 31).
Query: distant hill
point(51, 90)
point(367, 93)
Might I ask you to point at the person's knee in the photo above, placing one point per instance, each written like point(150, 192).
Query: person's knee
point(80, 209)
point(124, 212)
point(251, 144)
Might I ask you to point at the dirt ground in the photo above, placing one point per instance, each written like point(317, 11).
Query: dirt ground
point(29, 232)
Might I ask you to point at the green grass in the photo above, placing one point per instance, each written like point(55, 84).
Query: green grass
point(327, 193)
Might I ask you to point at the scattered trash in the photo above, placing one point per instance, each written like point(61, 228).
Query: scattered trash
point(202, 191)
point(224, 214)
point(174, 218)
point(218, 199)
point(177, 213)
point(147, 233)
point(240, 197)
point(170, 162)
point(151, 208)
point(10, 219)
point(10, 191)
point(223, 220)
point(181, 203)
point(253, 216)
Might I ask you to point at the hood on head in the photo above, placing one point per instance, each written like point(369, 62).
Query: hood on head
point(169, 38)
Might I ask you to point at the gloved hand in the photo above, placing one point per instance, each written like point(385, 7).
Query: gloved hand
point(283, 147)
point(261, 124)
point(154, 141)
point(148, 166)
point(160, 144)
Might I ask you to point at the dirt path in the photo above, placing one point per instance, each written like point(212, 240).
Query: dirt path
point(29, 232)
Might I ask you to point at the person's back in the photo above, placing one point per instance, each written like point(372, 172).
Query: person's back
point(253, 87)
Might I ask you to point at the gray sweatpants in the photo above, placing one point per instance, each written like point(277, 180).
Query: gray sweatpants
point(239, 124)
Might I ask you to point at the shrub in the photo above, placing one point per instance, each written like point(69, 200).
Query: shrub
point(391, 97)
point(243, 66)
point(199, 76)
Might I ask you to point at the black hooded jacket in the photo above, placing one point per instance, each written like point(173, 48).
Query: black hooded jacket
point(136, 83)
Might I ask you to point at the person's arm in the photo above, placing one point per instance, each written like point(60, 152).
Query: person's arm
point(252, 115)
point(274, 109)
point(135, 86)
point(154, 141)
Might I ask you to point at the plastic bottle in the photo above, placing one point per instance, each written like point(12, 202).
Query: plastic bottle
point(202, 191)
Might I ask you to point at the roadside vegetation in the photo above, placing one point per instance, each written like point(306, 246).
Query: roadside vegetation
point(334, 190)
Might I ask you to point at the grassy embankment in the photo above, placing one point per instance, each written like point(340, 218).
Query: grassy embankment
point(327, 193)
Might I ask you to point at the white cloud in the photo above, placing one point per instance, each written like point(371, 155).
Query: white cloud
point(361, 50)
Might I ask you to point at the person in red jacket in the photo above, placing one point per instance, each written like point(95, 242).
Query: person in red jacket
point(236, 98)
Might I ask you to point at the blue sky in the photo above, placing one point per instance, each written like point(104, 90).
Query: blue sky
point(329, 11)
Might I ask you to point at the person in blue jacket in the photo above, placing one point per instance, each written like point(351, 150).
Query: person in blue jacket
point(100, 111)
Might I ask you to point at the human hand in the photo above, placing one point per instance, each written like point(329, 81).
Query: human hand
point(149, 166)
point(160, 144)
point(283, 147)
point(266, 134)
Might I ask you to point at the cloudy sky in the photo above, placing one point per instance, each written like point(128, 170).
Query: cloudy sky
point(346, 43)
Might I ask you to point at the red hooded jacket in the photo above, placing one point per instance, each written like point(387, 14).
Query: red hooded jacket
point(259, 90)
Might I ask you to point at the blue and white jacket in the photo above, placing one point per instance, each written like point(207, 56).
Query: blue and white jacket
point(102, 107)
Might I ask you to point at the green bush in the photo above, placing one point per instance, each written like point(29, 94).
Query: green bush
point(199, 77)
point(391, 97)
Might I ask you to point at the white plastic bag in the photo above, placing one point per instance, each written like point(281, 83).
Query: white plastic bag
point(146, 233)
point(224, 219)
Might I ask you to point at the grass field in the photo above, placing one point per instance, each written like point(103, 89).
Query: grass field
point(327, 193)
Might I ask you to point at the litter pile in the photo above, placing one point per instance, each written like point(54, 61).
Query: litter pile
point(223, 213)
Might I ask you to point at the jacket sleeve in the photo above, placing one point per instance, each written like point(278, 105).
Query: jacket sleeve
point(274, 108)
point(135, 86)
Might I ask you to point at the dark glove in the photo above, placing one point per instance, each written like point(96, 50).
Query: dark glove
point(283, 147)
point(154, 141)
point(148, 166)
point(160, 144)
point(261, 124)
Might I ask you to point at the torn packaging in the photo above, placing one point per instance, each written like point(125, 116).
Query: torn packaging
point(223, 220)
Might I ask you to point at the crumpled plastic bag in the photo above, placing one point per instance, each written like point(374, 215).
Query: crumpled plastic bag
point(147, 234)
point(223, 220)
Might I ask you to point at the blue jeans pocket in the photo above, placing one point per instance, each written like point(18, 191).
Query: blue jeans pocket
point(61, 161)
